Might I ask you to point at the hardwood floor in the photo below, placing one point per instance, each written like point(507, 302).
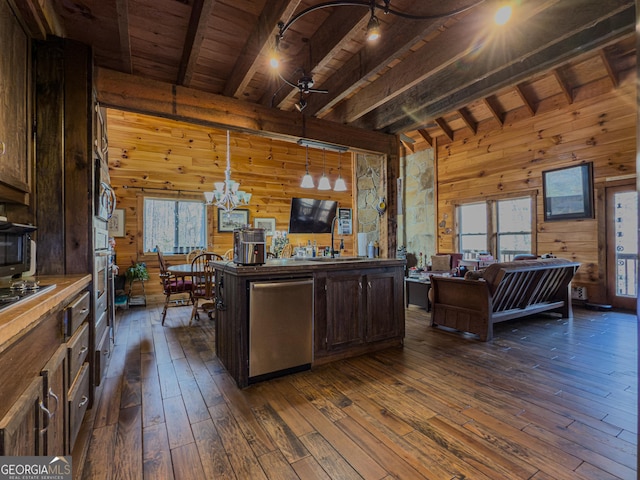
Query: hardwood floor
point(546, 399)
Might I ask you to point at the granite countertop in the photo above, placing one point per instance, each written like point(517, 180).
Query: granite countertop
point(19, 318)
point(296, 265)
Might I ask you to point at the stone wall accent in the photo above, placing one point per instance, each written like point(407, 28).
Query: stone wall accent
point(369, 190)
point(419, 221)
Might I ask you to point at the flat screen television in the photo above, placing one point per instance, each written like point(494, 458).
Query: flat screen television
point(309, 215)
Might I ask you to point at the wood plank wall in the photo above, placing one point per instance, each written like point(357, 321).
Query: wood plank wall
point(499, 161)
point(153, 155)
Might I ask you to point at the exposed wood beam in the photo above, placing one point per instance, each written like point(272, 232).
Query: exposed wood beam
point(258, 46)
point(483, 77)
point(333, 36)
point(427, 138)
point(525, 100)
point(200, 15)
point(568, 94)
point(122, 9)
point(607, 65)
point(356, 71)
point(129, 92)
point(468, 121)
point(442, 123)
point(408, 145)
point(493, 108)
point(39, 18)
point(436, 55)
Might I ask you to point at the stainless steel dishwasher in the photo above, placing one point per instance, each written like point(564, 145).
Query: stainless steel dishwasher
point(280, 327)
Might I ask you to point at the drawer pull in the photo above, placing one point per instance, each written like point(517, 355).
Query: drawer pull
point(83, 402)
point(3, 148)
point(48, 417)
point(51, 394)
point(82, 351)
point(84, 310)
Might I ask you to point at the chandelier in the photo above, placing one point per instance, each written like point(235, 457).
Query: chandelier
point(227, 195)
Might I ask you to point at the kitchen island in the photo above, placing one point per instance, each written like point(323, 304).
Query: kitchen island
point(357, 306)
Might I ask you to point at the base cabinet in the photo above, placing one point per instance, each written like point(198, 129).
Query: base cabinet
point(363, 308)
point(20, 427)
point(44, 373)
point(53, 392)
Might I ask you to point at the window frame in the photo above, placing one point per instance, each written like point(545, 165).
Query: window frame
point(492, 220)
point(141, 196)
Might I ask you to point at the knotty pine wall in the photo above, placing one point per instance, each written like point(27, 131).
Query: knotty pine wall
point(156, 156)
point(599, 127)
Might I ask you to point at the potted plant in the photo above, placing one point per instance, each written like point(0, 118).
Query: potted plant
point(137, 272)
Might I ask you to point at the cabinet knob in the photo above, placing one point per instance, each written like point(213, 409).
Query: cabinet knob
point(3, 148)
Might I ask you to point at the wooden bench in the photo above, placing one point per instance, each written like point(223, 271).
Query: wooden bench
point(506, 291)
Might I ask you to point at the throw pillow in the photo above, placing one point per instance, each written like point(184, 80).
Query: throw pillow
point(440, 263)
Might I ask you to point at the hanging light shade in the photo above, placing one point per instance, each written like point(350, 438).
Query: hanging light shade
point(340, 186)
point(324, 184)
point(227, 195)
point(307, 180)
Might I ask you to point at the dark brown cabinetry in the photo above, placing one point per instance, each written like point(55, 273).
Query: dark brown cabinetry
point(362, 307)
point(358, 307)
point(20, 427)
point(41, 371)
point(15, 181)
point(55, 418)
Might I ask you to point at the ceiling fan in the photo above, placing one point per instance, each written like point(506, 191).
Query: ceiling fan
point(304, 84)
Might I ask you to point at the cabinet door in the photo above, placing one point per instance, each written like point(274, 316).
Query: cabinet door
point(54, 390)
point(14, 124)
point(20, 427)
point(382, 298)
point(345, 325)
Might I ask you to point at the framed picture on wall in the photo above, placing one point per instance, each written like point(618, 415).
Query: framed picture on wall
point(269, 225)
point(229, 221)
point(116, 223)
point(568, 192)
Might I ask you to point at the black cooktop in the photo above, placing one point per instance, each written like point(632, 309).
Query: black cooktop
point(21, 290)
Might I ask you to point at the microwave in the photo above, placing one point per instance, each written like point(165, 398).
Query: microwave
point(16, 249)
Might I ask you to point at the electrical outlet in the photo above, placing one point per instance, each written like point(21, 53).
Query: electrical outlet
point(579, 293)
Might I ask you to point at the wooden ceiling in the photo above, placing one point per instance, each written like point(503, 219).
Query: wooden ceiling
point(422, 79)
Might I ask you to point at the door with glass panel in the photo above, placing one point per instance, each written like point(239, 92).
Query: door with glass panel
point(622, 246)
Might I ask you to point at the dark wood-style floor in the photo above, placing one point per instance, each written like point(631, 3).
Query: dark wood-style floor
point(546, 399)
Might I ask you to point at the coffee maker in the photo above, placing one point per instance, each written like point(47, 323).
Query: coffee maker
point(249, 246)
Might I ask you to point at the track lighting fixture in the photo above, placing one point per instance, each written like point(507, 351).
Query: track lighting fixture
point(305, 83)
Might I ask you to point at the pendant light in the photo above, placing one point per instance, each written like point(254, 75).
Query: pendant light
point(340, 185)
point(307, 180)
point(323, 184)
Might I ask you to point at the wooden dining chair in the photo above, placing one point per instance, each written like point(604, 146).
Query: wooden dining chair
point(228, 255)
point(173, 285)
point(193, 253)
point(204, 287)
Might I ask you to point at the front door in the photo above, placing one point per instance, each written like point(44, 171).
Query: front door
point(622, 246)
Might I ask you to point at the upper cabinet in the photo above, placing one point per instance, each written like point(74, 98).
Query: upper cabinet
point(15, 179)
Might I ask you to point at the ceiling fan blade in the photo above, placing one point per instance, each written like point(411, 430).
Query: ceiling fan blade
point(318, 90)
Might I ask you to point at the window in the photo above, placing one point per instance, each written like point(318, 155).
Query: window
point(472, 222)
point(514, 227)
point(502, 227)
point(175, 226)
